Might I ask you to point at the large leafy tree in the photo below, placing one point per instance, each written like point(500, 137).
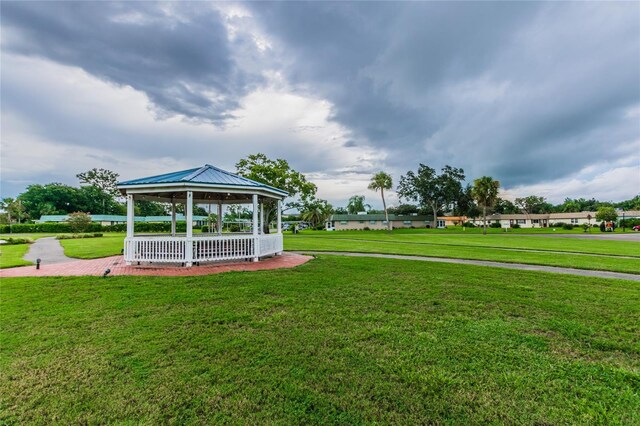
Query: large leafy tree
point(432, 190)
point(316, 212)
point(485, 192)
point(503, 206)
point(356, 204)
point(533, 204)
point(279, 174)
point(105, 180)
point(14, 209)
point(381, 181)
point(606, 214)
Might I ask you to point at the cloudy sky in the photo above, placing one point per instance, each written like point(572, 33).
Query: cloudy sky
point(544, 97)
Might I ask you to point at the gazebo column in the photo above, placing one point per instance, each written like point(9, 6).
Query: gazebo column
point(130, 215)
point(262, 217)
point(173, 217)
point(279, 226)
point(189, 241)
point(219, 217)
point(128, 245)
point(256, 241)
point(279, 216)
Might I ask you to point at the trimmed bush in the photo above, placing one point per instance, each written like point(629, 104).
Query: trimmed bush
point(497, 225)
point(468, 225)
point(515, 226)
point(567, 226)
point(15, 241)
point(75, 236)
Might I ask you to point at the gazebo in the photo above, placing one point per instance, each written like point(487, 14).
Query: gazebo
point(202, 185)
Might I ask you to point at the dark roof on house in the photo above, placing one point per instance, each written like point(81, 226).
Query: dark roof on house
point(380, 216)
point(206, 174)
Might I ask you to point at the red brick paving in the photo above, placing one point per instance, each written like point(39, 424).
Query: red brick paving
point(117, 266)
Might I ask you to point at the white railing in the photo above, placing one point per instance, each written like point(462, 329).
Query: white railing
point(270, 244)
point(180, 249)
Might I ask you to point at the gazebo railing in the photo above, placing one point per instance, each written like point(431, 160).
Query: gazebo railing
point(172, 249)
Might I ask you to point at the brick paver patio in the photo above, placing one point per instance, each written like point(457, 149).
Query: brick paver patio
point(117, 266)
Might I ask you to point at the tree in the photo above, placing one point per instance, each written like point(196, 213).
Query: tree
point(503, 206)
point(149, 208)
point(316, 212)
point(533, 204)
point(381, 181)
point(340, 210)
point(466, 205)
point(356, 204)
point(279, 174)
point(104, 179)
point(430, 189)
point(485, 192)
point(14, 209)
point(606, 214)
point(79, 221)
point(404, 209)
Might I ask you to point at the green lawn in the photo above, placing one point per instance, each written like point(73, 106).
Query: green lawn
point(11, 255)
point(619, 256)
point(338, 340)
point(110, 244)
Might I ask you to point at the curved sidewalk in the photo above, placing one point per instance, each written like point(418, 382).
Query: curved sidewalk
point(117, 266)
point(519, 266)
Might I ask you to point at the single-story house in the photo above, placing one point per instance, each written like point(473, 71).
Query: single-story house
point(544, 220)
point(112, 219)
point(343, 222)
point(444, 221)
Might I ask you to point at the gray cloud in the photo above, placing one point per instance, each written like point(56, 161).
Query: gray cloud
point(523, 91)
point(526, 92)
point(180, 57)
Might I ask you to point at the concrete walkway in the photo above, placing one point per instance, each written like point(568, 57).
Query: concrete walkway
point(117, 266)
point(519, 266)
point(48, 250)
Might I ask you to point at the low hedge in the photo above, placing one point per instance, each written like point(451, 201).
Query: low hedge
point(75, 236)
point(14, 241)
point(62, 227)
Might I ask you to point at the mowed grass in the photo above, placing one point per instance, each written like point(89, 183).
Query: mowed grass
point(338, 340)
point(110, 244)
point(618, 256)
point(11, 255)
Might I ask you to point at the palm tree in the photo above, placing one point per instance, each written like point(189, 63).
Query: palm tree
point(382, 181)
point(485, 192)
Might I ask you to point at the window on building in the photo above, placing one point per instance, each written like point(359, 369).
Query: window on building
point(372, 222)
point(574, 221)
point(406, 222)
point(535, 220)
point(343, 222)
point(361, 221)
point(521, 221)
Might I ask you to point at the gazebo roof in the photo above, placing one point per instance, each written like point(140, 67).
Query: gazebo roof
point(205, 175)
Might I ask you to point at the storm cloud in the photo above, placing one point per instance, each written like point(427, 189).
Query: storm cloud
point(531, 93)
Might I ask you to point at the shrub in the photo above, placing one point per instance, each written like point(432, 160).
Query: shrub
point(603, 227)
point(79, 222)
point(629, 223)
point(75, 236)
point(567, 226)
point(14, 241)
point(515, 226)
point(497, 225)
point(468, 225)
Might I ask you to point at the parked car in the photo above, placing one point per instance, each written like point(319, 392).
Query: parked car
point(636, 228)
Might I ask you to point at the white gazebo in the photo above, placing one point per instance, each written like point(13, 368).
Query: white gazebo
point(203, 185)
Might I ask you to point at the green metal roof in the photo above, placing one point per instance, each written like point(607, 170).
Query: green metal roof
point(206, 174)
point(118, 218)
point(380, 216)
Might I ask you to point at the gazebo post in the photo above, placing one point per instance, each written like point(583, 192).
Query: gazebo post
point(173, 217)
point(189, 243)
point(279, 216)
point(262, 217)
point(255, 228)
point(279, 229)
point(130, 223)
point(220, 217)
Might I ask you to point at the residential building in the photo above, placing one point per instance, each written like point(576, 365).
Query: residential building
point(343, 222)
